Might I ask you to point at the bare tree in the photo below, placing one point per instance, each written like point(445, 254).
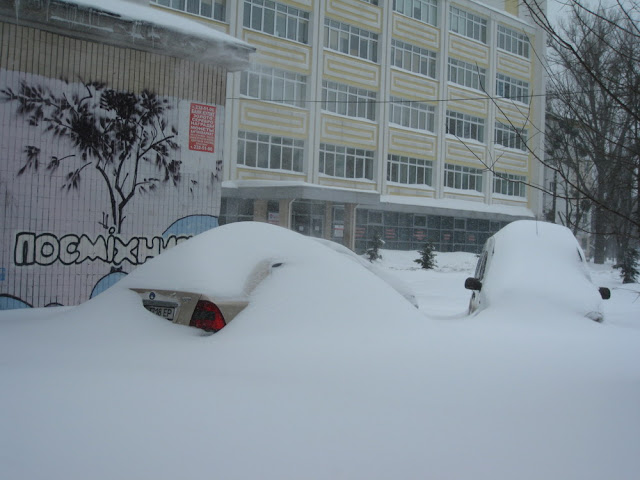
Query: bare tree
point(593, 93)
point(566, 158)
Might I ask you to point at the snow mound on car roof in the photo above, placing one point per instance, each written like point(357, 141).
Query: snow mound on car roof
point(309, 286)
point(541, 263)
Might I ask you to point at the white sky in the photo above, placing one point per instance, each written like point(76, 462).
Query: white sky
point(557, 9)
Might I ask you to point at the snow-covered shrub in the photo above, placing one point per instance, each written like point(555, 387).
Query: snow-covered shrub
point(373, 252)
point(427, 258)
point(629, 266)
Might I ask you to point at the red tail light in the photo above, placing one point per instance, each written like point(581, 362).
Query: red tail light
point(207, 316)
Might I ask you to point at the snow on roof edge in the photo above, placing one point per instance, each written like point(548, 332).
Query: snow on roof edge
point(444, 203)
point(135, 11)
point(455, 204)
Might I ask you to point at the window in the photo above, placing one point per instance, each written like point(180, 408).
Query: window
point(274, 85)
point(410, 114)
point(513, 42)
point(511, 137)
point(423, 10)
point(348, 100)
point(410, 171)
point(465, 126)
point(466, 74)
point(235, 210)
point(270, 152)
point(468, 24)
point(509, 87)
point(412, 58)
point(277, 19)
point(351, 40)
point(508, 184)
point(462, 178)
point(205, 8)
point(346, 162)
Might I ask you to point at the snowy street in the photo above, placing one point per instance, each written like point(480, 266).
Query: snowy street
point(308, 382)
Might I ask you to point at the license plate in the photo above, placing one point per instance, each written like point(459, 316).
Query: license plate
point(164, 312)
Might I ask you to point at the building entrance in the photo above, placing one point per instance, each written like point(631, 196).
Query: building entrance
point(307, 218)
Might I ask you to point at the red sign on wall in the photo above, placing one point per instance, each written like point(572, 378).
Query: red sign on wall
point(202, 128)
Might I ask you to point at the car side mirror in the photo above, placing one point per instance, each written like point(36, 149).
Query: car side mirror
point(605, 293)
point(473, 283)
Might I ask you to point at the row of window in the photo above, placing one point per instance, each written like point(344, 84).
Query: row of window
point(408, 231)
point(464, 23)
point(469, 127)
point(284, 21)
point(431, 222)
point(424, 62)
point(280, 153)
point(277, 85)
point(358, 42)
point(289, 88)
point(214, 9)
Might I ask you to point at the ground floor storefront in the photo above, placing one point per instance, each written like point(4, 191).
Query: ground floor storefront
point(402, 227)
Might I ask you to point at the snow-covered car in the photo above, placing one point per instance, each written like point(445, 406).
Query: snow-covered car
point(200, 293)
point(531, 264)
point(209, 312)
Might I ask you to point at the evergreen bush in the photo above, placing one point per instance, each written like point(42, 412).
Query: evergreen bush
point(629, 267)
point(427, 258)
point(373, 252)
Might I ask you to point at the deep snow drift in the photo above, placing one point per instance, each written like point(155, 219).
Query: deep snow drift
point(328, 374)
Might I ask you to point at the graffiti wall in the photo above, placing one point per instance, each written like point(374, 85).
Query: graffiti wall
point(95, 181)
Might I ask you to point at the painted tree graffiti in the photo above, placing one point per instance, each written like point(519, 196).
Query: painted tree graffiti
point(124, 136)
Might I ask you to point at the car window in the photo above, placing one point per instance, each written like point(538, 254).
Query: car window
point(482, 261)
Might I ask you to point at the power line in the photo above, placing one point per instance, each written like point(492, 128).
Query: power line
point(420, 100)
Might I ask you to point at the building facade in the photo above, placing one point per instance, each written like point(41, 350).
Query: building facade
point(111, 137)
point(416, 119)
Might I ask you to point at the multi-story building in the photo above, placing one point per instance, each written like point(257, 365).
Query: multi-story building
point(417, 119)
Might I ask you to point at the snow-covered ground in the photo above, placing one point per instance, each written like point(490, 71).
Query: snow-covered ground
point(441, 294)
point(329, 374)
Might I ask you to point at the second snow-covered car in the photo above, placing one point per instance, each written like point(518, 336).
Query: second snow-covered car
point(531, 264)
